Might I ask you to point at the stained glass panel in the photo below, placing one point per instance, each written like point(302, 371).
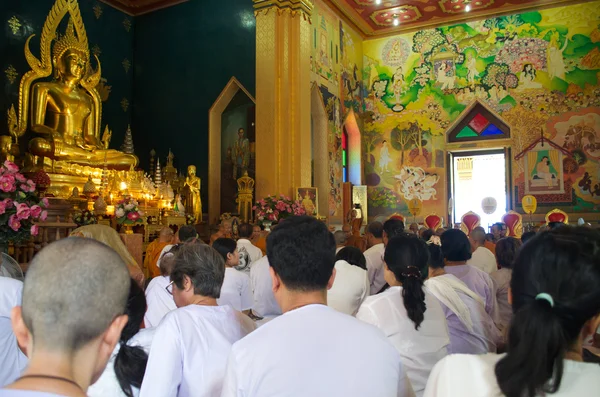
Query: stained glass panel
point(478, 123)
point(491, 130)
point(466, 133)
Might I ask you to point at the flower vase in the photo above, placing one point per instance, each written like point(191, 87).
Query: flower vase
point(267, 225)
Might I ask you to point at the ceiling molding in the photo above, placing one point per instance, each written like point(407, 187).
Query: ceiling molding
point(140, 7)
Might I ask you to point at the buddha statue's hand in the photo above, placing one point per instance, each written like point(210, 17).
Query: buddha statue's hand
point(43, 129)
point(80, 143)
point(93, 142)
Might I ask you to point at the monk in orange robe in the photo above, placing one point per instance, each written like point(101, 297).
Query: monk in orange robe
point(259, 239)
point(165, 237)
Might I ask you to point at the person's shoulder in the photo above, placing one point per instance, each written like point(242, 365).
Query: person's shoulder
point(156, 282)
point(10, 285)
point(384, 296)
point(471, 363)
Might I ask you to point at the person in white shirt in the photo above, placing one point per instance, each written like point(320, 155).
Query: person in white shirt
point(71, 317)
point(351, 285)
point(185, 234)
point(374, 256)
point(191, 344)
point(506, 253)
point(311, 350)
point(236, 291)
point(159, 301)
point(481, 257)
point(124, 372)
point(411, 318)
point(248, 252)
point(12, 358)
point(556, 305)
point(340, 240)
point(265, 305)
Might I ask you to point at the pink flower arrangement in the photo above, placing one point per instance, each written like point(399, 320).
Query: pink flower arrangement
point(20, 206)
point(274, 208)
point(128, 212)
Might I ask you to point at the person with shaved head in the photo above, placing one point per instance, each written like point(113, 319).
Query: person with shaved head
point(481, 257)
point(71, 317)
point(154, 249)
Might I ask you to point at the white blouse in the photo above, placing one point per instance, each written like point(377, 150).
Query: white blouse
point(350, 288)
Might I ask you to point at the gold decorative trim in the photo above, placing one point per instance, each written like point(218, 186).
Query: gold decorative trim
point(397, 11)
point(11, 74)
point(96, 50)
point(127, 24)
point(294, 6)
point(98, 10)
point(14, 24)
point(479, 7)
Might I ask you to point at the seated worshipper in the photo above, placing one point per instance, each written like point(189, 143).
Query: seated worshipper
point(374, 256)
point(407, 313)
point(258, 239)
point(312, 349)
point(351, 285)
point(527, 236)
point(471, 329)
point(457, 251)
point(12, 359)
point(489, 241)
point(414, 229)
point(248, 253)
point(110, 237)
point(506, 254)
point(154, 249)
point(340, 240)
point(225, 231)
point(391, 228)
point(265, 305)
point(192, 342)
point(556, 306)
point(185, 234)
point(124, 372)
point(71, 318)
point(236, 290)
point(555, 225)
point(499, 230)
point(481, 257)
point(159, 301)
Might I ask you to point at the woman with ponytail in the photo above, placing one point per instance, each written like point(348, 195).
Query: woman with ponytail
point(555, 298)
point(125, 370)
point(411, 318)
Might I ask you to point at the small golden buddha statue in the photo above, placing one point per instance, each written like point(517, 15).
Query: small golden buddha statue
point(193, 200)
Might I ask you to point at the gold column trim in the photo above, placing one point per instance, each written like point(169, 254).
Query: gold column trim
point(295, 7)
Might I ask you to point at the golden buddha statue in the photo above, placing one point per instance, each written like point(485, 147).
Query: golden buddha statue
point(193, 201)
point(67, 110)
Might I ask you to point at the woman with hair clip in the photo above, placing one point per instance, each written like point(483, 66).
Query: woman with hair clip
point(411, 318)
point(556, 305)
point(125, 370)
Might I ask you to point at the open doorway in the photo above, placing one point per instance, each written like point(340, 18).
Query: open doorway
point(475, 176)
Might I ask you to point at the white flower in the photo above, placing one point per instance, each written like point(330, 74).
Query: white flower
point(120, 213)
point(129, 206)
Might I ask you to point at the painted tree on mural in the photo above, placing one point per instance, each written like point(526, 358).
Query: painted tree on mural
point(403, 137)
point(371, 133)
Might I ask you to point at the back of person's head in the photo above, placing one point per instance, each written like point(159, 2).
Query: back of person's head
point(186, 233)
point(427, 234)
point(527, 236)
point(353, 256)
point(130, 362)
point(225, 246)
point(455, 246)
point(393, 227)
point(556, 304)
point(165, 234)
point(203, 266)
point(75, 290)
point(507, 249)
point(436, 256)
point(301, 252)
point(375, 229)
point(167, 261)
point(245, 230)
point(407, 257)
point(340, 237)
point(478, 236)
point(555, 225)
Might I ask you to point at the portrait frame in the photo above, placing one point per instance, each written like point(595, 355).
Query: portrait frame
point(312, 209)
point(549, 181)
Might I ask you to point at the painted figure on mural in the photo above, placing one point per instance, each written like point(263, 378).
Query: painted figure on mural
point(384, 157)
point(445, 76)
point(193, 200)
point(528, 75)
point(373, 74)
point(556, 62)
point(240, 155)
point(543, 171)
point(472, 71)
point(398, 84)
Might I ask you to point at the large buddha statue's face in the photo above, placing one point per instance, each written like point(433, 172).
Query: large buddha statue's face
point(72, 65)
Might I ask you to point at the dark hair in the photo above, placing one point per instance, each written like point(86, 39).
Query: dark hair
point(555, 225)
point(167, 261)
point(499, 225)
point(393, 227)
point(130, 362)
point(353, 256)
point(427, 234)
point(456, 246)
point(507, 249)
point(301, 251)
point(565, 264)
point(224, 246)
point(527, 236)
point(376, 229)
point(436, 256)
point(203, 265)
point(406, 256)
point(187, 232)
point(245, 230)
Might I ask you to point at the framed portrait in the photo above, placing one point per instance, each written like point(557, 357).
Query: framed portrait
point(544, 171)
point(309, 199)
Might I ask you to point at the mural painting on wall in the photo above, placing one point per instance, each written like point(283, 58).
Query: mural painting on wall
point(537, 69)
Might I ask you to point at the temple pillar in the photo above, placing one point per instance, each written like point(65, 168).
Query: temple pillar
point(283, 136)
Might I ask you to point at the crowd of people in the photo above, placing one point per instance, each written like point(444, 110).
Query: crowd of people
point(413, 312)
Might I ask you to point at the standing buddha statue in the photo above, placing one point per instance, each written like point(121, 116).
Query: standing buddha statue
point(193, 200)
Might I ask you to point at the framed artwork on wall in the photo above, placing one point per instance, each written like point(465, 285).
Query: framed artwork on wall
point(544, 171)
point(309, 199)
